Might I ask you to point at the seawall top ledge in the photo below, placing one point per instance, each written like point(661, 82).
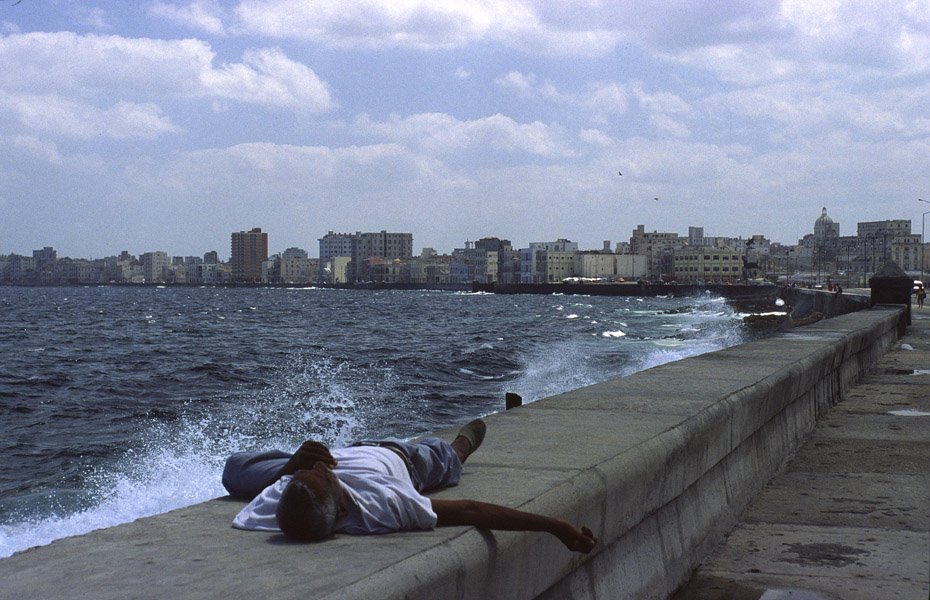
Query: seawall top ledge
point(608, 455)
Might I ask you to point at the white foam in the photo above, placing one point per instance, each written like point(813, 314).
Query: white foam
point(909, 412)
point(613, 334)
point(180, 464)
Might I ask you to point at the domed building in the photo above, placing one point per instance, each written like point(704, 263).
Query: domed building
point(825, 228)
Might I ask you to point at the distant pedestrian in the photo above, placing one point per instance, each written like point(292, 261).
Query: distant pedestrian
point(839, 289)
point(921, 294)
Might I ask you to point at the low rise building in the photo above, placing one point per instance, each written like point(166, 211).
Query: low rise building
point(708, 265)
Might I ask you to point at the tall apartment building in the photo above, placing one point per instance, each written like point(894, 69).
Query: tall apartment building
point(658, 248)
point(335, 244)
point(382, 245)
point(249, 250)
point(155, 266)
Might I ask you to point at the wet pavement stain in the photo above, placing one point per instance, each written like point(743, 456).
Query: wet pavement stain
point(826, 555)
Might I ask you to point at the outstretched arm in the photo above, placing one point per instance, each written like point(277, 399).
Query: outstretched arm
point(493, 516)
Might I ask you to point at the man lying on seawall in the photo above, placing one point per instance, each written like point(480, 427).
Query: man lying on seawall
point(373, 487)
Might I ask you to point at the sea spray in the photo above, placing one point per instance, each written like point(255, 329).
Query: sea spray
point(116, 418)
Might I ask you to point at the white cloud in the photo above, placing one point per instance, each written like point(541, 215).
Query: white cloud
point(203, 15)
point(667, 124)
point(519, 83)
point(103, 66)
point(424, 24)
point(663, 102)
point(94, 17)
point(269, 77)
point(462, 73)
point(54, 114)
point(595, 137)
point(604, 100)
point(33, 146)
point(441, 133)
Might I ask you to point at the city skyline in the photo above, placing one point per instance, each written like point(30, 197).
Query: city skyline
point(168, 124)
point(275, 249)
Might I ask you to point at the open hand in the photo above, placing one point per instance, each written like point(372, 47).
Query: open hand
point(576, 540)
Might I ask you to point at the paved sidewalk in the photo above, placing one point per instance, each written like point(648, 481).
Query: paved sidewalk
point(848, 517)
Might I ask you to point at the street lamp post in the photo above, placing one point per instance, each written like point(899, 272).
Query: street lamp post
point(923, 240)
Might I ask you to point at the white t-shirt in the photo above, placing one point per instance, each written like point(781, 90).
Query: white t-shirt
point(381, 497)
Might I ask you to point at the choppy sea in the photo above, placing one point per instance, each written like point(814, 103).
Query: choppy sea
point(118, 403)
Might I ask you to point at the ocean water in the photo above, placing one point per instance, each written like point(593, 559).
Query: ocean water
point(118, 403)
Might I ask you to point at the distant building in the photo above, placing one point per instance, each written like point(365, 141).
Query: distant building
point(695, 237)
point(22, 269)
point(381, 245)
point(610, 267)
point(294, 266)
point(658, 248)
point(155, 266)
point(881, 241)
point(708, 265)
point(335, 244)
point(536, 266)
point(45, 256)
point(249, 251)
point(211, 258)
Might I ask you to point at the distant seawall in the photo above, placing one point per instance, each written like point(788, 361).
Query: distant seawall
point(659, 464)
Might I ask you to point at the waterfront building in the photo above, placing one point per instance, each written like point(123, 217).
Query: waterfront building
point(45, 256)
point(382, 245)
point(881, 241)
point(708, 265)
point(205, 274)
point(295, 267)
point(595, 265)
point(464, 266)
point(486, 267)
point(155, 266)
point(611, 267)
point(333, 245)
point(271, 269)
point(211, 258)
point(335, 269)
point(658, 248)
point(535, 265)
point(22, 269)
point(431, 267)
point(249, 251)
point(388, 270)
point(178, 273)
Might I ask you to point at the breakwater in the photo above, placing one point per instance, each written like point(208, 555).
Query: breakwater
point(658, 464)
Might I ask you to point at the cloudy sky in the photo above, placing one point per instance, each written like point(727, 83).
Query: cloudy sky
point(166, 125)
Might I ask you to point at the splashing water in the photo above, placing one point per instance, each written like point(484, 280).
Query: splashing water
point(317, 382)
point(180, 463)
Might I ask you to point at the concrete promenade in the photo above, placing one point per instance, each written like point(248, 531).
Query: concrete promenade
point(849, 516)
point(659, 464)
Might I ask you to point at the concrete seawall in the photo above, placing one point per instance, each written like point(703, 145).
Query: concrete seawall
point(659, 464)
point(804, 302)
